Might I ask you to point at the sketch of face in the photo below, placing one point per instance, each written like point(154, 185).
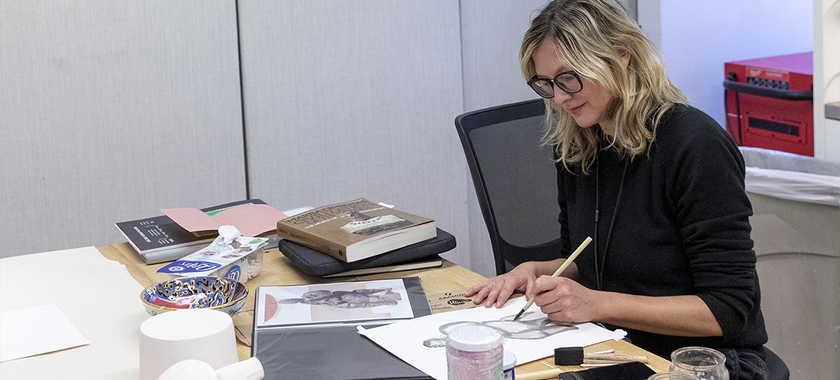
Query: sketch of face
point(523, 328)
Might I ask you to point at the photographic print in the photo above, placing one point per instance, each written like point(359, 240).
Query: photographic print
point(330, 303)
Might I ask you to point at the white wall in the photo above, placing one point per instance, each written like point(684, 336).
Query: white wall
point(826, 78)
point(698, 37)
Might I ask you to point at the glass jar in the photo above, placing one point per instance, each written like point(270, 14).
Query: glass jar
point(474, 352)
point(705, 363)
point(672, 376)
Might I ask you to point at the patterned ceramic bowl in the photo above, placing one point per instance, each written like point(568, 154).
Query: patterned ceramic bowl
point(212, 293)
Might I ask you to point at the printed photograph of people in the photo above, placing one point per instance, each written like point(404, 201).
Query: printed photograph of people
point(333, 303)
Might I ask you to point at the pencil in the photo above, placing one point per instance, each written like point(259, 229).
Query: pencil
point(557, 273)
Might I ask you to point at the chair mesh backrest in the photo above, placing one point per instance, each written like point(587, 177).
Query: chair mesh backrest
point(515, 180)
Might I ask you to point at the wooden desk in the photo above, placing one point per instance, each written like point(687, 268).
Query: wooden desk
point(278, 270)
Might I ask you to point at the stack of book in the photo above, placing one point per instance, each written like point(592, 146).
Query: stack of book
point(361, 237)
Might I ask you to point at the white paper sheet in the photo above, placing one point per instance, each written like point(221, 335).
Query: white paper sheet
point(406, 339)
point(36, 330)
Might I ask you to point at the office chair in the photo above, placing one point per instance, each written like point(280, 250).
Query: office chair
point(515, 180)
point(776, 367)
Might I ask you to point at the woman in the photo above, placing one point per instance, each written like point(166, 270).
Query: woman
point(658, 185)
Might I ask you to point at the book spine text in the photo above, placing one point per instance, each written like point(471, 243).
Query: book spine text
point(321, 245)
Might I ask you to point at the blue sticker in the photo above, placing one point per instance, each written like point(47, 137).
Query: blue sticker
point(182, 266)
point(233, 273)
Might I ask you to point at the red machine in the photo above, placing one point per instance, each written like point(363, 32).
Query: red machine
point(769, 102)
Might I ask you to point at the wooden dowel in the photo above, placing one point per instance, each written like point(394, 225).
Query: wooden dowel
point(617, 358)
point(539, 375)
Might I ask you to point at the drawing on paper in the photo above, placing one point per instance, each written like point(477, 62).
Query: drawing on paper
point(524, 328)
point(354, 299)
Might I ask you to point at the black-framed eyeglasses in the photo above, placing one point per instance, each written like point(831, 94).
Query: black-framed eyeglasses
point(568, 81)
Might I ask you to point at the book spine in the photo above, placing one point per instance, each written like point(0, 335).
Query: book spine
point(321, 245)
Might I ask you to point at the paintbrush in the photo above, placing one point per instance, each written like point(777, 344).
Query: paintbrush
point(557, 273)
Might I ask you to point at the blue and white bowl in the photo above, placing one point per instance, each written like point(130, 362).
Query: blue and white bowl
point(203, 292)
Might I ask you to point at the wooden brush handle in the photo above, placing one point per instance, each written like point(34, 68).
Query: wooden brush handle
point(613, 358)
point(539, 375)
point(557, 273)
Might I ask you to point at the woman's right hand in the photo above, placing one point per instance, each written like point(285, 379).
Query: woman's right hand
point(498, 289)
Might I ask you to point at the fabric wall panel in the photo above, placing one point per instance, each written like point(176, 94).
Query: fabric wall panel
point(112, 110)
point(348, 99)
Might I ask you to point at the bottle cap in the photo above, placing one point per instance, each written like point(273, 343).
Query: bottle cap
point(509, 360)
point(474, 338)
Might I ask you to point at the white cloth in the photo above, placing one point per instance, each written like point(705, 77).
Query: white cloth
point(97, 295)
point(791, 176)
point(793, 185)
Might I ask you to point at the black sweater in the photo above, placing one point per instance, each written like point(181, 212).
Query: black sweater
point(681, 227)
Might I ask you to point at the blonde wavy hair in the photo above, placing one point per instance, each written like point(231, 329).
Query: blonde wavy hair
point(592, 36)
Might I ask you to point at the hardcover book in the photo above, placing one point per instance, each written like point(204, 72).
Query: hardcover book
point(355, 230)
point(159, 239)
point(310, 331)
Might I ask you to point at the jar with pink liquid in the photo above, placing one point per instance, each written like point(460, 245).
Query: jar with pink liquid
point(474, 352)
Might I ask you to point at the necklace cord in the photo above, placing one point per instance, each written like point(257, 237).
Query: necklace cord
point(599, 266)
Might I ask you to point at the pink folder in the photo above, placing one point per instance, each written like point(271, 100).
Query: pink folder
point(249, 219)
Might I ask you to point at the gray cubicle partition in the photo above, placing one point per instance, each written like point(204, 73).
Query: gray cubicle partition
point(112, 109)
point(356, 99)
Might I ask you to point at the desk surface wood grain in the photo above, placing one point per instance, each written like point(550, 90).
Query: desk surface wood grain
point(278, 270)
